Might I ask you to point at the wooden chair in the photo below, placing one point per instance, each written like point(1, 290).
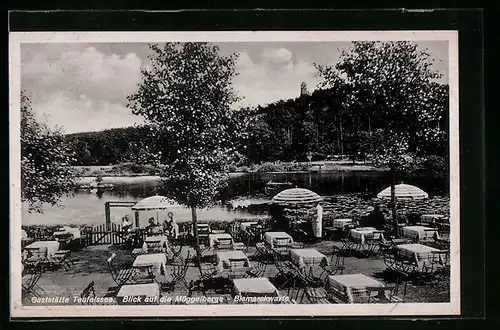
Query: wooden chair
point(336, 266)
point(206, 281)
point(296, 245)
point(258, 270)
point(285, 270)
point(178, 276)
point(120, 276)
point(223, 244)
point(176, 247)
point(31, 275)
point(262, 251)
point(238, 268)
point(312, 291)
point(394, 290)
point(39, 255)
point(88, 292)
point(62, 258)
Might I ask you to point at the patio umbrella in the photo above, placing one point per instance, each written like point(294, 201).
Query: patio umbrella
point(404, 192)
point(296, 196)
point(156, 203)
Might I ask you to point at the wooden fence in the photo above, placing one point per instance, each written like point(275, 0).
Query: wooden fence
point(98, 235)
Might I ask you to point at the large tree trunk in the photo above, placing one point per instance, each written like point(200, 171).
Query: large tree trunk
point(393, 200)
point(196, 238)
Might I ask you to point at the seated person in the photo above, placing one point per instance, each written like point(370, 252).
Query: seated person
point(153, 229)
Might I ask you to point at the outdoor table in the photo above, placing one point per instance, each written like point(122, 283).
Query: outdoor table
point(222, 259)
point(244, 225)
point(218, 238)
point(255, 287)
point(363, 233)
point(420, 255)
point(272, 237)
point(161, 240)
point(156, 262)
point(308, 257)
point(432, 219)
point(341, 223)
point(417, 233)
point(352, 287)
point(139, 294)
point(52, 248)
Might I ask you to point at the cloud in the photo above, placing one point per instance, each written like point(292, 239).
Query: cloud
point(79, 114)
point(277, 55)
point(78, 87)
point(273, 75)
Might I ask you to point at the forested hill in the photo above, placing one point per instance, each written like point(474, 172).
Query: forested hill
point(284, 130)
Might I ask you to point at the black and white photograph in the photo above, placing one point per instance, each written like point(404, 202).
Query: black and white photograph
point(234, 173)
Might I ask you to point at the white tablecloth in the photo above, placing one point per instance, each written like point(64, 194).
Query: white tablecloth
point(255, 287)
point(432, 218)
point(151, 241)
point(280, 237)
point(417, 233)
point(52, 247)
point(245, 225)
point(150, 290)
point(364, 233)
point(157, 261)
point(352, 287)
point(341, 223)
point(420, 254)
point(222, 259)
point(308, 257)
point(219, 239)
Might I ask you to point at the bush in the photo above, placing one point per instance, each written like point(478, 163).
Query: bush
point(435, 165)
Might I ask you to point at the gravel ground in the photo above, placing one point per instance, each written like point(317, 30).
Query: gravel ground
point(90, 265)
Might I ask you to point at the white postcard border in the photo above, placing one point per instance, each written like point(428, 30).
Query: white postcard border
point(409, 309)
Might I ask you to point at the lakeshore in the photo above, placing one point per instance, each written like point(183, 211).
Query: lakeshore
point(291, 167)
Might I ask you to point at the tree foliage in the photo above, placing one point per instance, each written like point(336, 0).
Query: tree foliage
point(185, 97)
point(45, 158)
point(392, 84)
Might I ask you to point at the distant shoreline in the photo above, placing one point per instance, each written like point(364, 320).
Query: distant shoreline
point(107, 171)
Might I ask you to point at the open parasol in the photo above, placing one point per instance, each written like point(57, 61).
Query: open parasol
point(404, 192)
point(156, 203)
point(296, 196)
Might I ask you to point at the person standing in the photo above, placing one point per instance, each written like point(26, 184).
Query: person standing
point(170, 227)
point(318, 222)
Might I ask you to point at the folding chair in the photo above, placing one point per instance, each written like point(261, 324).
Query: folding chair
point(176, 246)
point(381, 296)
point(237, 268)
point(223, 244)
point(178, 276)
point(258, 270)
point(62, 258)
point(32, 273)
point(288, 273)
point(206, 281)
point(316, 294)
point(120, 276)
point(296, 245)
point(336, 266)
point(88, 292)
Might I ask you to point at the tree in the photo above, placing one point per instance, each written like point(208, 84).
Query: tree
point(394, 84)
point(46, 174)
point(185, 96)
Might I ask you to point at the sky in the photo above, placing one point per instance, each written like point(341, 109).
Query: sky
point(83, 87)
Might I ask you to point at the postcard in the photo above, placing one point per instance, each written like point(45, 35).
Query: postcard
point(182, 174)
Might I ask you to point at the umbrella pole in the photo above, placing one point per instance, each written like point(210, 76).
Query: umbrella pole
point(393, 200)
point(196, 239)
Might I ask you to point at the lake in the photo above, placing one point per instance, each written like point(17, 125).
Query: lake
point(88, 208)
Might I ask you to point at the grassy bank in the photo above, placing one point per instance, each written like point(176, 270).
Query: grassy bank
point(134, 170)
